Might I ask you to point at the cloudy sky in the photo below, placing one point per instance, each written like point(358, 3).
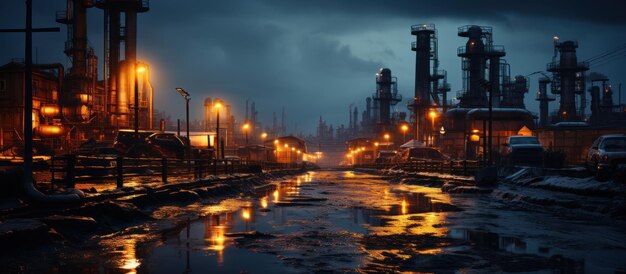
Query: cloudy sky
point(317, 57)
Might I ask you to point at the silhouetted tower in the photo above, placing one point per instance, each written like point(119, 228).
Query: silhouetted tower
point(386, 95)
point(121, 75)
point(568, 80)
point(477, 51)
point(544, 99)
point(424, 33)
point(601, 101)
point(514, 97)
point(80, 83)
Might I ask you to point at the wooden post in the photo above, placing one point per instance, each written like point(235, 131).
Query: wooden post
point(164, 170)
point(120, 171)
point(70, 165)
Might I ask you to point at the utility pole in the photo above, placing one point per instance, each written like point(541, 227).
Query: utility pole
point(28, 90)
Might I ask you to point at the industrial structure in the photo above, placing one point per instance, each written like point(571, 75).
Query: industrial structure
point(568, 81)
point(73, 105)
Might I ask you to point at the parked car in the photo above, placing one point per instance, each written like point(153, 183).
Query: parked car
point(420, 154)
point(127, 143)
point(607, 153)
point(523, 150)
point(384, 157)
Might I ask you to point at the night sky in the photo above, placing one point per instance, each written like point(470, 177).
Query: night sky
point(317, 57)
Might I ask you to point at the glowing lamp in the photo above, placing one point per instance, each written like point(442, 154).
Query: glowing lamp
point(474, 137)
point(50, 130)
point(84, 98)
point(49, 111)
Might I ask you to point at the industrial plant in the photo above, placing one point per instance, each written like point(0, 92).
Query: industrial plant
point(489, 106)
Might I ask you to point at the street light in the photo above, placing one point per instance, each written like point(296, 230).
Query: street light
point(246, 126)
point(432, 114)
point(187, 98)
point(386, 136)
point(217, 106)
point(263, 136)
point(404, 128)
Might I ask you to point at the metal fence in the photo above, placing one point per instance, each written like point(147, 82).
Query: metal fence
point(67, 170)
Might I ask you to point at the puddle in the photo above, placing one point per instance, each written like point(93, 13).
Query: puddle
point(350, 222)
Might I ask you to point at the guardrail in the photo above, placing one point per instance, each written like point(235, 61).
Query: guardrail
point(456, 167)
point(67, 170)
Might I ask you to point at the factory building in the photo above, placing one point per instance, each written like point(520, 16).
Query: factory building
point(72, 105)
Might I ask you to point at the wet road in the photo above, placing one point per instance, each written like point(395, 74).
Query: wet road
point(342, 221)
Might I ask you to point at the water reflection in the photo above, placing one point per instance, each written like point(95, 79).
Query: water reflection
point(129, 258)
point(515, 245)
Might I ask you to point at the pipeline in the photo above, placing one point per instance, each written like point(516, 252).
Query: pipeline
point(34, 195)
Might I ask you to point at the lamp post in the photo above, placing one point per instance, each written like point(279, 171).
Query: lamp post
point(246, 126)
point(139, 69)
point(187, 98)
point(217, 106)
point(386, 136)
point(404, 128)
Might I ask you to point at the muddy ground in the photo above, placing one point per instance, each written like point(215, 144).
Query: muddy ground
point(336, 221)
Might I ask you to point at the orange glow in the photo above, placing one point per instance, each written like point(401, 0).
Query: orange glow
point(475, 130)
point(404, 207)
point(84, 98)
point(474, 137)
point(246, 126)
point(130, 261)
point(50, 130)
point(141, 69)
point(405, 128)
point(35, 119)
point(50, 110)
point(276, 142)
point(276, 196)
point(387, 136)
point(245, 214)
point(293, 148)
point(264, 202)
point(217, 105)
point(432, 114)
point(264, 135)
point(286, 146)
point(376, 144)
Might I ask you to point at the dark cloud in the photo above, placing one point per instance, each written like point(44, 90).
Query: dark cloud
point(317, 57)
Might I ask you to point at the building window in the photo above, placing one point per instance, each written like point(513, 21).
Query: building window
point(3, 85)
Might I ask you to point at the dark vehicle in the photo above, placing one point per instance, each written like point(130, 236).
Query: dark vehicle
point(523, 150)
point(420, 154)
point(128, 144)
point(167, 145)
point(607, 153)
point(384, 157)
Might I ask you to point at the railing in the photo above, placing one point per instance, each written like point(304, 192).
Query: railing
point(67, 170)
point(465, 29)
point(457, 167)
point(422, 27)
point(486, 49)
